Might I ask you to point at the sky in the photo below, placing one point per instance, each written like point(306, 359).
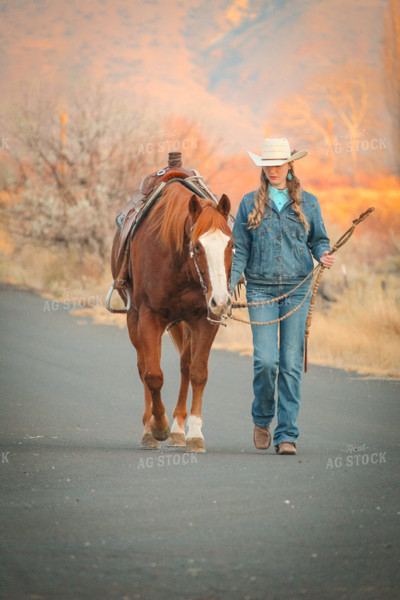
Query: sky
point(228, 64)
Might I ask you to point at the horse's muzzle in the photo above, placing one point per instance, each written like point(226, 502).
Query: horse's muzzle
point(220, 305)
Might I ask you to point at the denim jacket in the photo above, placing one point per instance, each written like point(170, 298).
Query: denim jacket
point(279, 250)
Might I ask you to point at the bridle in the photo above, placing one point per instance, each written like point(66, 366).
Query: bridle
point(196, 264)
point(203, 284)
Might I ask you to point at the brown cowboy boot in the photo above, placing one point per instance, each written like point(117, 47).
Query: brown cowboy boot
point(286, 448)
point(262, 437)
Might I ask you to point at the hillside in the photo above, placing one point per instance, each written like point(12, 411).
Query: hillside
point(227, 64)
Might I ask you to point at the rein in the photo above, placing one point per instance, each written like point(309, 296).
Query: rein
point(319, 269)
point(198, 185)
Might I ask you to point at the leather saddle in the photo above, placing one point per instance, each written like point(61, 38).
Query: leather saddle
point(133, 214)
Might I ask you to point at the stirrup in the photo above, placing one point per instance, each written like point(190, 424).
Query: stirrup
point(118, 310)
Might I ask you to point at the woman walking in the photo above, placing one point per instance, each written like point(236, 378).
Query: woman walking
point(278, 230)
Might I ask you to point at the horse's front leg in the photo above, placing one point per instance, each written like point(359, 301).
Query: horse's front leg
point(203, 334)
point(180, 334)
point(150, 330)
point(148, 440)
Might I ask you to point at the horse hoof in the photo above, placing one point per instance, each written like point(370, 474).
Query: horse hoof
point(195, 445)
point(149, 441)
point(161, 435)
point(176, 439)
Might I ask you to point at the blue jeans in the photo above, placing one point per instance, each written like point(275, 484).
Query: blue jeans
point(283, 357)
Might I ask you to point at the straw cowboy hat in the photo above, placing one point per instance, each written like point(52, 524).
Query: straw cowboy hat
point(276, 152)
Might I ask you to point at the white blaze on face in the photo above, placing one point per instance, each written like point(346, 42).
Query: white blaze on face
point(214, 244)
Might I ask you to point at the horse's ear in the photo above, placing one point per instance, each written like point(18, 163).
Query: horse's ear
point(224, 206)
point(194, 209)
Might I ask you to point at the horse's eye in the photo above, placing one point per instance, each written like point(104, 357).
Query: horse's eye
point(197, 247)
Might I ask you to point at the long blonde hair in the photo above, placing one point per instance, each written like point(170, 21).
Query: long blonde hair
point(261, 196)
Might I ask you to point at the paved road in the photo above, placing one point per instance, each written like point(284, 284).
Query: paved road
point(87, 514)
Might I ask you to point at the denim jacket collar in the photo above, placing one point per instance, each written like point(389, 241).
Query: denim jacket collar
point(271, 204)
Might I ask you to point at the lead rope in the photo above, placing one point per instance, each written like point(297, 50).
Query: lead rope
point(319, 269)
point(246, 304)
point(340, 242)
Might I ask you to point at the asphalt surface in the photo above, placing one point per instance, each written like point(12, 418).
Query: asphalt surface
point(87, 514)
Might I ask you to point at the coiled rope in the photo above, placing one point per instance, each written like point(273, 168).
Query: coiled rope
point(314, 285)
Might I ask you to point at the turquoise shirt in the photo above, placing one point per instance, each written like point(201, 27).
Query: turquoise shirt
point(280, 197)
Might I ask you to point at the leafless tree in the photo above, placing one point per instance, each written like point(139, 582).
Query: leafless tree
point(391, 73)
point(337, 113)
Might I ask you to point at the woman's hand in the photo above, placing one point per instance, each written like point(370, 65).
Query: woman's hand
point(327, 260)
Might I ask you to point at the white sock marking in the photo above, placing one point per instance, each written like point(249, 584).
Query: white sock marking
point(194, 427)
point(176, 428)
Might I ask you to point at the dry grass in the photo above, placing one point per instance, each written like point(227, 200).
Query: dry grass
point(361, 332)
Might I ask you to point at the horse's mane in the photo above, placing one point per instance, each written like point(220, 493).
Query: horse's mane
point(168, 217)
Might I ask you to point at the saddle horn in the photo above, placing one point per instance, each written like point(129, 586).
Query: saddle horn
point(174, 159)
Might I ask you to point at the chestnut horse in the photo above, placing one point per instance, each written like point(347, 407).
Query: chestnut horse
point(180, 259)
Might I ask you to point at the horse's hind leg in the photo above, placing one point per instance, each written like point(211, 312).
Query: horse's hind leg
point(148, 440)
point(181, 336)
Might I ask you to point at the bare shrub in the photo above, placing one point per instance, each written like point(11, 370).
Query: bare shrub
point(73, 165)
point(70, 169)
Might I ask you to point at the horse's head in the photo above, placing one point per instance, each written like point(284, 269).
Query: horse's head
point(212, 251)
